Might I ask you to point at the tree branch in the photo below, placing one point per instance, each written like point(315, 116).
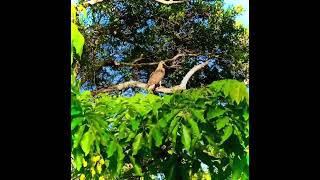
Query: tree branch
point(190, 73)
point(92, 2)
point(121, 86)
point(141, 85)
point(152, 63)
point(169, 1)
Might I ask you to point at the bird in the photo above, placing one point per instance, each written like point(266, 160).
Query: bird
point(156, 76)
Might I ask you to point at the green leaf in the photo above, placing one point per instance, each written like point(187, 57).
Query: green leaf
point(155, 109)
point(73, 12)
point(237, 168)
point(194, 127)
point(119, 158)
point(186, 138)
point(87, 142)
point(201, 103)
point(166, 99)
point(244, 92)
point(238, 133)
point(233, 88)
point(112, 167)
point(97, 143)
point(173, 124)
point(136, 167)
point(171, 115)
point(198, 114)
point(77, 39)
point(227, 133)
point(78, 161)
point(246, 131)
point(142, 110)
point(130, 136)
point(122, 129)
point(75, 111)
point(212, 113)
point(217, 85)
point(235, 94)
point(76, 122)
point(111, 148)
point(174, 134)
point(134, 124)
point(104, 139)
point(75, 107)
point(245, 114)
point(157, 136)
point(227, 87)
point(209, 139)
point(78, 136)
point(222, 122)
point(136, 144)
point(149, 145)
point(162, 123)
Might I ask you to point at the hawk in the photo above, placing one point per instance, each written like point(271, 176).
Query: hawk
point(156, 76)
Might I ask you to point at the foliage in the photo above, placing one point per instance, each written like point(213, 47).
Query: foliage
point(116, 137)
point(123, 31)
point(146, 134)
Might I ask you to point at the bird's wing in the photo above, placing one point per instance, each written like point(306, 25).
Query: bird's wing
point(156, 77)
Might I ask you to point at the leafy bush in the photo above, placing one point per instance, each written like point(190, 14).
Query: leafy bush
point(146, 134)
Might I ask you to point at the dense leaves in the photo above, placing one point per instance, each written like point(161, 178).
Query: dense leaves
point(139, 144)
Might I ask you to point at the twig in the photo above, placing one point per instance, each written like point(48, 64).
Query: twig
point(138, 59)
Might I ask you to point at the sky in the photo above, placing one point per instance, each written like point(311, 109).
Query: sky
point(244, 17)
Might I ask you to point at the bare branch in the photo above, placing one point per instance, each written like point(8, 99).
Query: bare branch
point(141, 85)
point(92, 2)
point(168, 90)
point(121, 86)
point(153, 63)
point(169, 1)
point(190, 73)
point(138, 59)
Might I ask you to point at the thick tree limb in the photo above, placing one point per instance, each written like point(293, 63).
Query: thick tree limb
point(190, 73)
point(129, 84)
point(169, 1)
point(121, 86)
point(92, 2)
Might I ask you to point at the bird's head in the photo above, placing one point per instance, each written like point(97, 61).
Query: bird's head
point(161, 64)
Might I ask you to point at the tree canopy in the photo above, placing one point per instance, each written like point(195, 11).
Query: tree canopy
point(200, 131)
point(125, 40)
